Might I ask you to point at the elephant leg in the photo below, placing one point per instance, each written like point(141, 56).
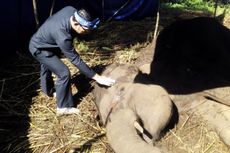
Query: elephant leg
point(153, 110)
point(122, 135)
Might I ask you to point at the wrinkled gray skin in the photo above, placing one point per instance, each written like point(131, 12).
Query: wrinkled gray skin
point(127, 102)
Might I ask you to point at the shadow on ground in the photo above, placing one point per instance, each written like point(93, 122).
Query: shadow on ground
point(83, 84)
point(192, 55)
point(19, 83)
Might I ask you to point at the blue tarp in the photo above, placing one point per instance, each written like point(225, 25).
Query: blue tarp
point(123, 9)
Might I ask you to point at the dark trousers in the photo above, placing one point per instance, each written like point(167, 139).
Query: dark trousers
point(50, 63)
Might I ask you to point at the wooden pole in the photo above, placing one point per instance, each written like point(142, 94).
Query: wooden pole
point(52, 7)
point(35, 9)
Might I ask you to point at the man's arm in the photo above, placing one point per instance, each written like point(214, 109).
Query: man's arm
point(68, 50)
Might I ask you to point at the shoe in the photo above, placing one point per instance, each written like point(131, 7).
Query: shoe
point(54, 94)
point(67, 111)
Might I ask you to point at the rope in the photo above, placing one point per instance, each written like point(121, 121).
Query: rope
point(115, 13)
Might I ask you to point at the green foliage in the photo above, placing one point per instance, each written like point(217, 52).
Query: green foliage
point(206, 6)
point(81, 46)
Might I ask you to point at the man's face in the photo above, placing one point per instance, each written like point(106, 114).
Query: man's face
point(83, 30)
point(79, 28)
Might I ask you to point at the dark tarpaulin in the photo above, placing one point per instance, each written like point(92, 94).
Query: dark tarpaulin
point(18, 22)
point(123, 9)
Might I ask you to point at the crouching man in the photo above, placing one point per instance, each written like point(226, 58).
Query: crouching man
point(56, 35)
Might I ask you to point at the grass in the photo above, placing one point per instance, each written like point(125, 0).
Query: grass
point(198, 5)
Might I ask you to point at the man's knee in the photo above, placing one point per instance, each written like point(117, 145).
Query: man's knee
point(64, 74)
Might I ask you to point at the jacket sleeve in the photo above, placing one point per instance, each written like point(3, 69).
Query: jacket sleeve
point(64, 41)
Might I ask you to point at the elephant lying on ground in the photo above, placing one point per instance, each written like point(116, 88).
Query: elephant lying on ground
point(134, 114)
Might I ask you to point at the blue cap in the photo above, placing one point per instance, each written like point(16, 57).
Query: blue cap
point(88, 24)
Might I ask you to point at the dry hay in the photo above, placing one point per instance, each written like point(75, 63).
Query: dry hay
point(49, 133)
point(193, 135)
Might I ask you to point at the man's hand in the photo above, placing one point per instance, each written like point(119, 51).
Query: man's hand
point(104, 80)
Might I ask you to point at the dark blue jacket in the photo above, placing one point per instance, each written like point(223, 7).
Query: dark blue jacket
point(57, 32)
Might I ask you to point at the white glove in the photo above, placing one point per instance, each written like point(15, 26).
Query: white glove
point(104, 80)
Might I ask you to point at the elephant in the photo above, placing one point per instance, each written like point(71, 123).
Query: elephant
point(133, 113)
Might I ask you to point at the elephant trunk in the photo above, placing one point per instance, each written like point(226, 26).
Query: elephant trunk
point(123, 136)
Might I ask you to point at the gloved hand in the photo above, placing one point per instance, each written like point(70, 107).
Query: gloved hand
point(104, 80)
